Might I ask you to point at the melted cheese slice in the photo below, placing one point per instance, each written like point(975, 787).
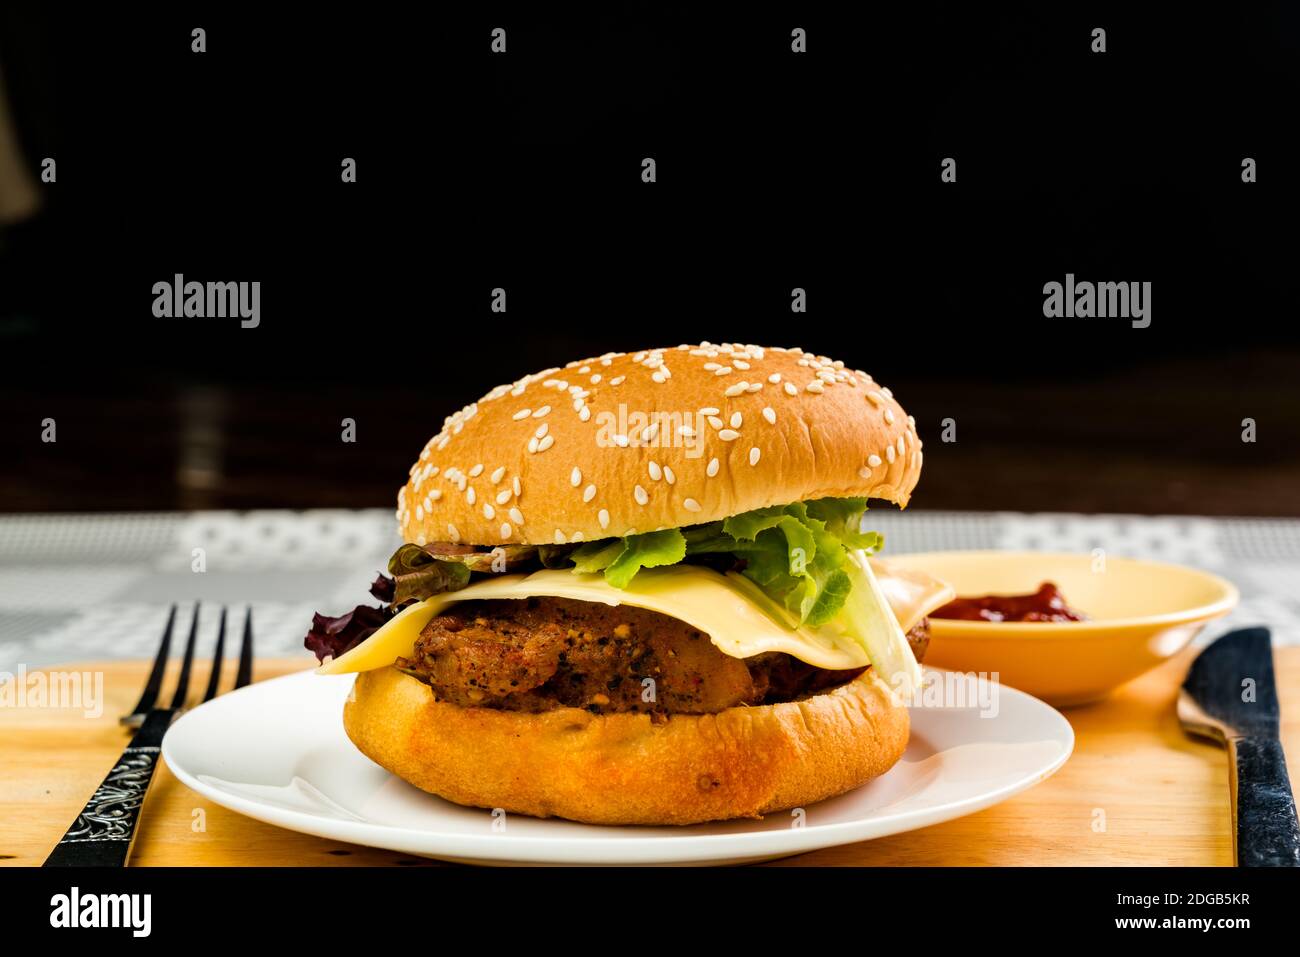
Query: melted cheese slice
point(912, 594)
point(731, 610)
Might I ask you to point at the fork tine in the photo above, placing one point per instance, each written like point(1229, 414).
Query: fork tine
point(214, 679)
point(183, 682)
point(245, 675)
point(150, 694)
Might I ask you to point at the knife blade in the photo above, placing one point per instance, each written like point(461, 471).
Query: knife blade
point(1230, 696)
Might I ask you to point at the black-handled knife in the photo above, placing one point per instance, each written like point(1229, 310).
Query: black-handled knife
point(1230, 695)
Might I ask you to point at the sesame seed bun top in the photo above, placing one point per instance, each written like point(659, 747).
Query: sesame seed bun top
point(634, 442)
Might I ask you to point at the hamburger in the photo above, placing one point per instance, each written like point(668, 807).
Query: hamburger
point(641, 589)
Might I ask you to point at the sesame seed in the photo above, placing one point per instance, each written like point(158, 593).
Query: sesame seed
point(617, 380)
point(735, 390)
point(755, 387)
point(532, 444)
point(886, 393)
point(655, 471)
point(712, 470)
point(503, 496)
point(743, 366)
point(419, 512)
point(469, 495)
point(873, 461)
point(770, 414)
point(546, 443)
point(559, 537)
point(709, 411)
point(488, 511)
point(595, 380)
point(649, 432)
point(686, 431)
point(542, 430)
point(476, 471)
point(436, 494)
point(754, 453)
point(790, 389)
point(816, 386)
point(575, 477)
point(428, 504)
point(722, 370)
point(890, 454)
point(901, 449)
point(577, 537)
point(589, 493)
point(522, 414)
point(658, 376)
point(728, 435)
point(620, 441)
point(669, 476)
point(452, 534)
point(584, 413)
point(736, 419)
point(516, 516)
point(516, 486)
point(864, 472)
point(544, 410)
point(505, 529)
point(715, 422)
point(498, 474)
point(889, 416)
point(774, 378)
point(641, 496)
point(603, 517)
point(691, 505)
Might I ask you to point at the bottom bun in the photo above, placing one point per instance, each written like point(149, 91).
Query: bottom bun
point(623, 768)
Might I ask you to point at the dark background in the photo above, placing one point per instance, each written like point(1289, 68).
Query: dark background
point(775, 170)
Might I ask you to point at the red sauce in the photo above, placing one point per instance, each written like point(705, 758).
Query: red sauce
point(1046, 604)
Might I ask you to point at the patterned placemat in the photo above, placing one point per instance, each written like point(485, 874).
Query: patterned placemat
point(77, 587)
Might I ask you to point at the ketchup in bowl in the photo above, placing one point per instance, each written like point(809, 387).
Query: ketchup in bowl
point(1046, 604)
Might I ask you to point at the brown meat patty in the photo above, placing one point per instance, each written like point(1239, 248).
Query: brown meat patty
point(536, 654)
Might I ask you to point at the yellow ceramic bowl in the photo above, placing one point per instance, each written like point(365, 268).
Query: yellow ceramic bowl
point(1139, 614)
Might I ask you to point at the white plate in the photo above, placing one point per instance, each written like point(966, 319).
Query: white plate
point(276, 751)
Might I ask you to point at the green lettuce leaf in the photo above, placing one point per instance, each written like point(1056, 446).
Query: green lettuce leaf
point(621, 558)
point(417, 575)
point(796, 553)
point(867, 616)
point(843, 519)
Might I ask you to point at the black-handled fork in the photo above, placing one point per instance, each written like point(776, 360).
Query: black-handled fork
point(103, 834)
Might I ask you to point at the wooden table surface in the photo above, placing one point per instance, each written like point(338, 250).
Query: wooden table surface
point(1136, 791)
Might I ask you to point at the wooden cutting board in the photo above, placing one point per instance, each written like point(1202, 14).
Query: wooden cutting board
point(1135, 791)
